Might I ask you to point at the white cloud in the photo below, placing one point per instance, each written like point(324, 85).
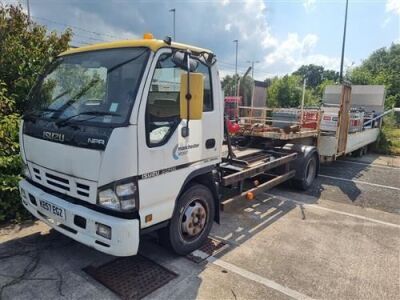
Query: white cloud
point(393, 6)
point(294, 51)
point(214, 26)
point(257, 41)
point(309, 5)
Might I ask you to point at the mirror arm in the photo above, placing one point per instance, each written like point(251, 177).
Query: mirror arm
point(188, 96)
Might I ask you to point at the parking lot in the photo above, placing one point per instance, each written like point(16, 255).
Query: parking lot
point(339, 240)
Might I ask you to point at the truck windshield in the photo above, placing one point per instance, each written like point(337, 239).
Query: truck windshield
point(90, 87)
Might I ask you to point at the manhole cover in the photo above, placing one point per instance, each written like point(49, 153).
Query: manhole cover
point(211, 247)
point(131, 277)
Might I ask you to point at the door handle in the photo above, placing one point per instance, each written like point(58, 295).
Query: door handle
point(210, 143)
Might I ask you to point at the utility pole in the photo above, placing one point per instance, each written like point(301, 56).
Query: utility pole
point(236, 61)
point(173, 10)
point(28, 7)
point(302, 101)
point(252, 62)
point(344, 42)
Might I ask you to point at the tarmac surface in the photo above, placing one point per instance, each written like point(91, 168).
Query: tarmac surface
point(339, 240)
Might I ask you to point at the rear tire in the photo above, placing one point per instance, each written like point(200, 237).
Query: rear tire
point(191, 222)
point(308, 175)
point(360, 152)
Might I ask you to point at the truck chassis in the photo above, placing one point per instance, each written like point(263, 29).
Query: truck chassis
point(236, 171)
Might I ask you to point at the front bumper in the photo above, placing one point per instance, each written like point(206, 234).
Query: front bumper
point(124, 233)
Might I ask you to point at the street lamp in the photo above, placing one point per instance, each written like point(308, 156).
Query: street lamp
point(252, 62)
point(173, 10)
point(344, 42)
point(236, 61)
point(237, 45)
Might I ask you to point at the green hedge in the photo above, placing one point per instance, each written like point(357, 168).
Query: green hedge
point(10, 162)
point(25, 48)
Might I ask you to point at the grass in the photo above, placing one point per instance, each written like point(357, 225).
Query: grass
point(389, 138)
point(393, 137)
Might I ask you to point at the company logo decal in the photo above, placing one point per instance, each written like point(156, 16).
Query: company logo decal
point(96, 141)
point(175, 152)
point(179, 151)
point(53, 136)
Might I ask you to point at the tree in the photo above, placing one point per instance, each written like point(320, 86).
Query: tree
point(285, 91)
point(381, 67)
point(229, 86)
point(25, 48)
point(319, 90)
point(315, 75)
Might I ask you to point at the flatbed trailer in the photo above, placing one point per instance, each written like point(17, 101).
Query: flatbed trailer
point(331, 145)
point(328, 144)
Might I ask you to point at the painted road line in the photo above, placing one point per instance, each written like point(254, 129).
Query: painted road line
point(257, 278)
point(336, 211)
point(361, 182)
point(367, 164)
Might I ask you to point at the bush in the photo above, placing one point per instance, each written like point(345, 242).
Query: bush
point(10, 162)
point(25, 48)
point(389, 137)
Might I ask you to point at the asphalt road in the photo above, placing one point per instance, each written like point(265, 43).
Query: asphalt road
point(339, 240)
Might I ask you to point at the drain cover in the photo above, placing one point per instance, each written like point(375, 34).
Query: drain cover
point(211, 247)
point(131, 277)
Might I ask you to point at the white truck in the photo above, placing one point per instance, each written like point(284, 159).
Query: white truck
point(128, 137)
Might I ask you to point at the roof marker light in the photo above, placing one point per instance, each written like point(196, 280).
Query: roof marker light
point(148, 36)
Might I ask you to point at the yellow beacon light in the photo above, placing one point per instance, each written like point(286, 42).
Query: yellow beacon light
point(148, 36)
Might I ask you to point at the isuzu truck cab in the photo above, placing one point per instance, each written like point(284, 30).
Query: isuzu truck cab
point(126, 137)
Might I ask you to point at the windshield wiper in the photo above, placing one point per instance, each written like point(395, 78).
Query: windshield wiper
point(64, 122)
point(78, 95)
point(38, 112)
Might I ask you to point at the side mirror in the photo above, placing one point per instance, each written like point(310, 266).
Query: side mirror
point(180, 59)
point(195, 104)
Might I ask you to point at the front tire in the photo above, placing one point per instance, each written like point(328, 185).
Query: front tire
point(191, 222)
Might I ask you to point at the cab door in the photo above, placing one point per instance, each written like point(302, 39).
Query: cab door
point(166, 158)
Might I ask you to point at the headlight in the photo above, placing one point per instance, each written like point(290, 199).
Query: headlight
point(109, 199)
point(25, 171)
point(120, 197)
point(124, 190)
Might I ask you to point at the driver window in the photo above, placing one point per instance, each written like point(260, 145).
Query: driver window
point(162, 111)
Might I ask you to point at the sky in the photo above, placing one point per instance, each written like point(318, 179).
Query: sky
point(280, 35)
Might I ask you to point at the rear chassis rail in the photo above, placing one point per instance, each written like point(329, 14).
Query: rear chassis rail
point(235, 172)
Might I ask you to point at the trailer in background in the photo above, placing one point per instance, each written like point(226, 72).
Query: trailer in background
point(356, 105)
point(347, 122)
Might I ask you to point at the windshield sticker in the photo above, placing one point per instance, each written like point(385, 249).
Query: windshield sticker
point(114, 107)
point(107, 119)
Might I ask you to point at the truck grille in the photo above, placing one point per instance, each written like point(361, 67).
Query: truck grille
point(69, 185)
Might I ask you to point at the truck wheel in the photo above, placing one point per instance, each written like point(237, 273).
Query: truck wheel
point(360, 152)
point(191, 222)
point(309, 174)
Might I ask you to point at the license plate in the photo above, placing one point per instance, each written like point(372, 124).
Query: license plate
point(53, 209)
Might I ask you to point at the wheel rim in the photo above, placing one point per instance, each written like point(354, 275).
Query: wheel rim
point(193, 220)
point(311, 171)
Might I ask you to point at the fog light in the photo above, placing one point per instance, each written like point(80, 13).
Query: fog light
point(103, 230)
